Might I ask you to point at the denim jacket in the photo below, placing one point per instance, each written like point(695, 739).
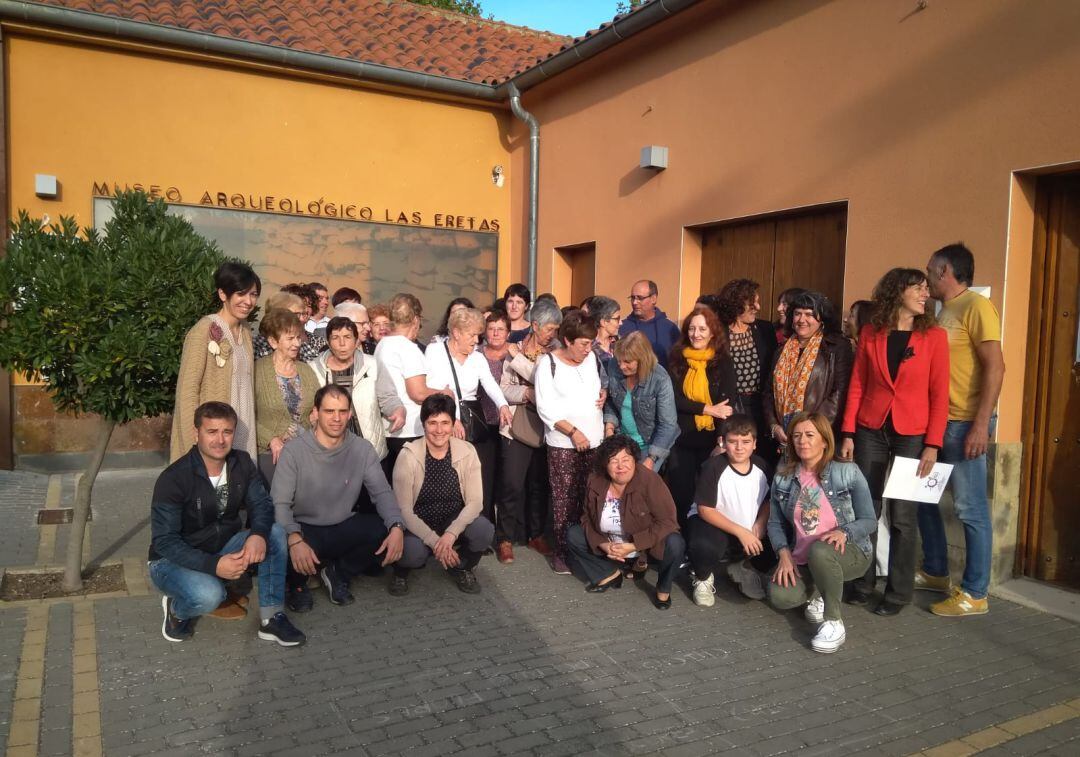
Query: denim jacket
point(653, 404)
point(847, 492)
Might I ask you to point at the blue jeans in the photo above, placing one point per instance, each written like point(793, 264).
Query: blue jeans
point(195, 593)
point(968, 482)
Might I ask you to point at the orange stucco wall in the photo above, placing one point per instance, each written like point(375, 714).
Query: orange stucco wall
point(90, 114)
point(918, 120)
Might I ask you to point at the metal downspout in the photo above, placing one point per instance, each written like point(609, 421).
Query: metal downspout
point(534, 177)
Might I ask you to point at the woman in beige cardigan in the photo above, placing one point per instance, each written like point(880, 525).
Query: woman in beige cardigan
point(216, 364)
point(284, 389)
point(441, 495)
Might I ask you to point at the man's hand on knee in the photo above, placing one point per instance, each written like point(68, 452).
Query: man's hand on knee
point(393, 545)
point(232, 566)
point(254, 550)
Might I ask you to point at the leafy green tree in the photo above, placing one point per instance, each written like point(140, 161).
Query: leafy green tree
point(468, 7)
point(100, 318)
point(625, 6)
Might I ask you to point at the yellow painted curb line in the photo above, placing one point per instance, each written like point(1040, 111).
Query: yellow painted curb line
point(86, 702)
point(1001, 733)
point(47, 534)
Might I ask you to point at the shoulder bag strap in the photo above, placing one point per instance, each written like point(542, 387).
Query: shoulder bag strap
point(453, 371)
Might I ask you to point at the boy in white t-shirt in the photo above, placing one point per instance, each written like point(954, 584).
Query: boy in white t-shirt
point(730, 511)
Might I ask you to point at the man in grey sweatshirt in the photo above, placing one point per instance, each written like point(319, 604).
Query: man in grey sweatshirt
point(319, 478)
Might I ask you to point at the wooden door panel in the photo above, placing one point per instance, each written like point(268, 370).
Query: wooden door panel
point(1057, 492)
point(740, 251)
point(810, 254)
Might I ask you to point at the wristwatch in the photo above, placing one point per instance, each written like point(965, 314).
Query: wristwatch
point(397, 524)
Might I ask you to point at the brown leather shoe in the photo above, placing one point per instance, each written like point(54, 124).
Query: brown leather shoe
point(505, 552)
point(539, 543)
point(229, 610)
point(240, 599)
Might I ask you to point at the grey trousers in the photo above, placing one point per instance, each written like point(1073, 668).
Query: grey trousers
point(824, 573)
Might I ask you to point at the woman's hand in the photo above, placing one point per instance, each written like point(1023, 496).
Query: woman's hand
point(847, 450)
point(778, 433)
point(837, 538)
point(444, 551)
point(396, 419)
point(276, 445)
point(720, 410)
point(506, 416)
point(609, 430)
point(514, 350)
point(581, 442)
point(926, 462)
point(459, 430)
point(621, 551)
point(602, 399)
point(649, 463)
point(530, 395)
point(786, 574)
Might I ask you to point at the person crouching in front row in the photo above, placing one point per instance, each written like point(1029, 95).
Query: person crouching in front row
point(197, 541)
point(440, 491)
point(628, 509)
point(820, 520)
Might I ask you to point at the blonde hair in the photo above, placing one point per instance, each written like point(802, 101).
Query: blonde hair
point(283, 301)
point(404, 309)
point(790, 462)
point(464, 318)
point(636, 346)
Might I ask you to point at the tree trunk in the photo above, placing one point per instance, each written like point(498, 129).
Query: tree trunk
point(73, 564)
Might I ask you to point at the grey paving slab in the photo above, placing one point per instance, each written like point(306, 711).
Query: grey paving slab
point(56, 705)
point(121, 515)
point(22, 494)
point(12, 625)
point(534, 665)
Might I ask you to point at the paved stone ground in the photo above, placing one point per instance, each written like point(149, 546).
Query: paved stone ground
point(534, 665)
point(22, 494)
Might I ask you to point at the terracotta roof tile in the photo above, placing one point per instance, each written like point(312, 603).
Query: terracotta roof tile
point(389, 32)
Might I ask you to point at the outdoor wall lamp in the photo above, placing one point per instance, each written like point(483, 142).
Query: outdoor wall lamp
point(46, 186)
point(654, 157)
point(497, 176)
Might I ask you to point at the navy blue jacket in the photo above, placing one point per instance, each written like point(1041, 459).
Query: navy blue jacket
point(661, 332)
point(185, 526)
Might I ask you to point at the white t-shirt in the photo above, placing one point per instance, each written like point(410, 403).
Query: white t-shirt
point(474, 373)
point(611, 522)
point(737, 495)
point(220, 482)
point(398, 359)
point(571, 396)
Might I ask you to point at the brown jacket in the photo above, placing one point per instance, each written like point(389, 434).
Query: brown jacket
point(827, 388)
point(648, 511)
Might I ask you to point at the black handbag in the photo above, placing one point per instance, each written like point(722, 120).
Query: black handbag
point(470, 412)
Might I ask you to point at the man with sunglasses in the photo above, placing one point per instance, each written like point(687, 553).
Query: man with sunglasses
point(650, 320)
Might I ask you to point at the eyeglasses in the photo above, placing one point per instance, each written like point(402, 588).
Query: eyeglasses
point(639, 297)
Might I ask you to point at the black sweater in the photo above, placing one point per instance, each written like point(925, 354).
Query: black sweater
point(721, 373)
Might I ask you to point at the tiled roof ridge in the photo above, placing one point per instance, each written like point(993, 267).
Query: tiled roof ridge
point(459, 16)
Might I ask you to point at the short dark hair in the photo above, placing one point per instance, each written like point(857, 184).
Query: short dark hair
point(497, 315)
point(339, 322)
point(960, 259)
point(437, 404)
point(304, 292)
point(653, 291)
point(740, 424)
point(335, 390)
point(612, 446)
point(820, 305)
point(576, 325)
point(789, 294)
point(316, 286)
point(231, 277)
point(214, 411)
point(518, 290)
point(346, 294)
point(735, 297)
point(444, 324)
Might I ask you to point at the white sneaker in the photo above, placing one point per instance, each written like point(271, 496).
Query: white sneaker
point(704, 592)
point(752, 584)
point(815, 610)
point(829, 637)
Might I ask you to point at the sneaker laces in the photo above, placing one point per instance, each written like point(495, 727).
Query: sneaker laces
point(704, 582)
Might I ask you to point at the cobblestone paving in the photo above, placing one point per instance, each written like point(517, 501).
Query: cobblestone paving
point(12, 623)
point(22, 494)
point(536, 666)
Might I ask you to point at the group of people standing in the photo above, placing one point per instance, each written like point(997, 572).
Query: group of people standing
point(605, 443)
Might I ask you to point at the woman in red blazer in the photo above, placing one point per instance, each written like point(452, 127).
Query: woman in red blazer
point(897, 405)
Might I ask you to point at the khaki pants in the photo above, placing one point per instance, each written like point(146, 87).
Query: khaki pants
point(825, 572)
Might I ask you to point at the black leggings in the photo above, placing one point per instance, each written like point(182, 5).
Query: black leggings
point(709, 545)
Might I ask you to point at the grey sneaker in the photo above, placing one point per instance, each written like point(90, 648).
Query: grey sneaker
point(751, 583)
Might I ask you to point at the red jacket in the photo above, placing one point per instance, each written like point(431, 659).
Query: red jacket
point(918, 400)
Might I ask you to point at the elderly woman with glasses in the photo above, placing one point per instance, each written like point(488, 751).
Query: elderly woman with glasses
point(628, 512)
point(608, 316)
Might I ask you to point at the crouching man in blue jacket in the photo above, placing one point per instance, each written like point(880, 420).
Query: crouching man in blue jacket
point(197, 539)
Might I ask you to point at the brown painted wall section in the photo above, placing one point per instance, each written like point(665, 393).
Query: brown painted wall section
point(917, 119)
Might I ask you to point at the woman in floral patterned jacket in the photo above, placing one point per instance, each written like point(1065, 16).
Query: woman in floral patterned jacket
point(217, 362)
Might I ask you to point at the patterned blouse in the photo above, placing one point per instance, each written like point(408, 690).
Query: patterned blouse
point(747, 363)
point(439, 500)
point(291, 396)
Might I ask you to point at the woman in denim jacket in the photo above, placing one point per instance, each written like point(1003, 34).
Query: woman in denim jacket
point(820, 522)
point(641, 401)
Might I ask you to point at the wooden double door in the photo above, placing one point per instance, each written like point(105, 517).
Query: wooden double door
point(1050, 523)
point(804, 249)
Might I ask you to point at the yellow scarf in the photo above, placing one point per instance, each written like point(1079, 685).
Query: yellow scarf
point(696, 384)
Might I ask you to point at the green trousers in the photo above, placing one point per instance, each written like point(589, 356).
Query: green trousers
point(824, 573)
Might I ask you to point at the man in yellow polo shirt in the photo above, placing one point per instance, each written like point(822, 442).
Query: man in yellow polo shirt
point(976, 369)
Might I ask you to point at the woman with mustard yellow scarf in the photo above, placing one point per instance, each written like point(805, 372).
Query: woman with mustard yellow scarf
point(705, 394)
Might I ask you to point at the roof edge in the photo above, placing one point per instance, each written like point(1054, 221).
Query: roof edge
point(141, 31)
point(594, 43)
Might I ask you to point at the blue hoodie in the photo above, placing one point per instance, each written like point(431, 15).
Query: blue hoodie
point(661, 332)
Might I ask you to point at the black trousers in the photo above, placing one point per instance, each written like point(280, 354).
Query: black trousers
point(681, 473)
point(537, 502)
point(514, 461)
point(350, 545)
point(393, 449)
point(874, 450)
point(488, 452)
point(597, 567)
point(754, 406)
point(709, 545)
